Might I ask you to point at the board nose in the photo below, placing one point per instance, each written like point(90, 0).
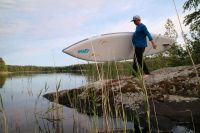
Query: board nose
point(66, 51)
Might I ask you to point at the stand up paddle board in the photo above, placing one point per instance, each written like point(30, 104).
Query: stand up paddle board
point(114, 47)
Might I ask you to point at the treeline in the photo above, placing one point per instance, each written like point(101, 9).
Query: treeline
point(16, 68)
point(29, 68)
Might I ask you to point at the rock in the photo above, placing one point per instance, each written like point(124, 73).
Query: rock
point(173, 95)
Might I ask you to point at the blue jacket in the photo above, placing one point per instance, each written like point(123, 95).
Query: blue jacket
point(139, 36)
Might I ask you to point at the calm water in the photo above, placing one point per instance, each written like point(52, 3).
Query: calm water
point(26, 111)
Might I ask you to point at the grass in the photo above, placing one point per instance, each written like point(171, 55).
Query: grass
point(4, 116)
point(53, 115)
point(120, 112)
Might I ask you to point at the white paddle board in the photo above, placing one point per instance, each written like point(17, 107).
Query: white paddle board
point(114, 47)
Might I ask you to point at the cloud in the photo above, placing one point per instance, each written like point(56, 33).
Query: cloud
point(50, 18)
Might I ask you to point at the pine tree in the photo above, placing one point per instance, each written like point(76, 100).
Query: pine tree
point(170, 32)
point(170, 29)
point(193, 20)
point(176, 53)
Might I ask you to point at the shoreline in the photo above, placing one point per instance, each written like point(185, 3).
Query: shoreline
point(5, 73)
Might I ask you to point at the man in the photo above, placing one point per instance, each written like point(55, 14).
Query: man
point(140, 43)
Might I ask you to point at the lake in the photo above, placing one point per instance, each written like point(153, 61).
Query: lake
point(27, 111)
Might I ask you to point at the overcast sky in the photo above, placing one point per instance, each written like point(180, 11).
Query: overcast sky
point(34, 32)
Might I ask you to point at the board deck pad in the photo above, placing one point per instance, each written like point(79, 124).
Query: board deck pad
point(114, 47)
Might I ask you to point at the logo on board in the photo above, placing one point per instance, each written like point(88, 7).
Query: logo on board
point(83, 51)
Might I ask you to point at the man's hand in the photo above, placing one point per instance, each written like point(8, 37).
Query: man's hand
point(153, 44)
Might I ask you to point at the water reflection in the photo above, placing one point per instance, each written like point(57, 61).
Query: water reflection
point(27, 111)
point(56, 121)
point(2, 80)
point(25, 108)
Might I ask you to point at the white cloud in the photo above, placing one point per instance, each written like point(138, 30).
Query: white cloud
point(50, 18)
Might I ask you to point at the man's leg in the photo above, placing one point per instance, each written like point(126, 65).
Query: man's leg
point(139, 55)
point(134, 71)
point(145, 68)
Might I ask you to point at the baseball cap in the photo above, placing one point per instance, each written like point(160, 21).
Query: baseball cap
point(136, 17)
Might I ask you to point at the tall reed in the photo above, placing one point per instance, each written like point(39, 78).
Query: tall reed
point(4, 115)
